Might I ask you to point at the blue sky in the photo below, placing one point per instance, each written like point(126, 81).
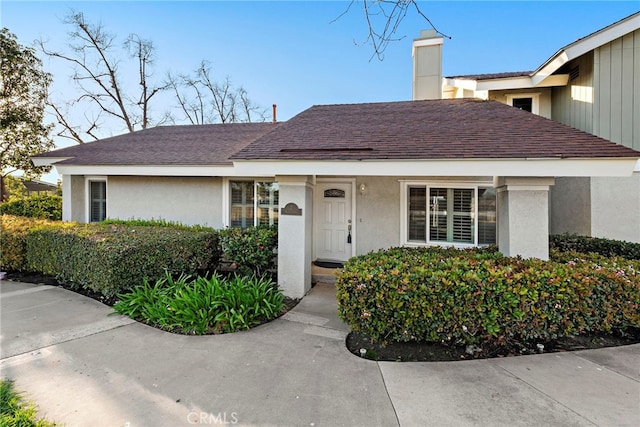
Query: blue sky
point(292, 54)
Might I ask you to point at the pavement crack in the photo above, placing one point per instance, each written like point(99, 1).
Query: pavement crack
point(386, 390)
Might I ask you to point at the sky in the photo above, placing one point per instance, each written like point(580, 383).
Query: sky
point(301, 53)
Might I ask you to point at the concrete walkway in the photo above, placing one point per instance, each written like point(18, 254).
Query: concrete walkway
point(85, 368)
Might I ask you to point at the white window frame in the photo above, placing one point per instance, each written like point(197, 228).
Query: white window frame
point(87, 195)
point(404, 211)
point(535, 100)
point(226, 197)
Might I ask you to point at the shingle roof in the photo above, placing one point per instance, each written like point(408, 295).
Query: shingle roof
point(493, 76)
point(167, 145)
point(433, 129)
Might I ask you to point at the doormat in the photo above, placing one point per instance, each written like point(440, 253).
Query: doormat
point(328, 264)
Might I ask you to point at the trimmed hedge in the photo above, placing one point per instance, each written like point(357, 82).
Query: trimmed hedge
point(251, 249)
point(13, 240)
point(605, 247)
point(46, 206)
point(115, 258)
point(479, 297)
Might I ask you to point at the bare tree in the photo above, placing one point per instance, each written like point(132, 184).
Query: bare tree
point(383, 19)
point(201, 99)
point(102, 94)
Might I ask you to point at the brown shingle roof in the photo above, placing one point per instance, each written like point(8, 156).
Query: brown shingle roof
point(436, 129)
point(493, 76)
point(167, 145)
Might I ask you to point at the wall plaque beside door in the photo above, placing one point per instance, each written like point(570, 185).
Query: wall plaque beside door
point(291, 209)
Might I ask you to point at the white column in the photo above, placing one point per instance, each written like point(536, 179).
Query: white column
point(295, 225)
point(523, 216)
point(66, 197)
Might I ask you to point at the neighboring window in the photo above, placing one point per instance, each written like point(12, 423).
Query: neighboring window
point(525, 104)
point(253, 203)
point(97, 201)
point(451, 215)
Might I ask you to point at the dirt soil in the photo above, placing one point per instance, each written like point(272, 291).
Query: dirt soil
point(434, 351)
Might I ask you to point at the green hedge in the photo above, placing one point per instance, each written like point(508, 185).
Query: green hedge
point(479, 297)
point(47, 206)
point(115, 258)
point(584, 244)
point(13, 240)
point(252, 250)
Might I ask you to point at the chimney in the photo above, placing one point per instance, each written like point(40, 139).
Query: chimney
point(427, 66)
point(273, 114)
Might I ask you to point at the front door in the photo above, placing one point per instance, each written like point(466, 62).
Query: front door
point(333, 234)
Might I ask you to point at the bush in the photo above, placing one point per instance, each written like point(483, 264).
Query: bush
point(605, 247)
point(15, 411)
point(13, 241)
point(251, 249)
point(114, 258)
point(479, 297)
point(45, 206)
point(201, 305)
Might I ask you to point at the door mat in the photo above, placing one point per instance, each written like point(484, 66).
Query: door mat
point(328, 264)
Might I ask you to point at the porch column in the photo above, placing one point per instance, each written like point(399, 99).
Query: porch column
point(295, 225)
point(523, 216)
point(67, 194)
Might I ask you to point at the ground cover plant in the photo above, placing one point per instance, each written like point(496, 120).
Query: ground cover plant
point(486, 304)
point(15, 411)
point(203, 305)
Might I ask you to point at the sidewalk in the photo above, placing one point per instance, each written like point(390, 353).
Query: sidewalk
point(83, 368)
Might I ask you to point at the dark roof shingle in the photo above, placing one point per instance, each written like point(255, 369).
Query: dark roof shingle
point(167, 145)
point(493, 76)
point(434, 129)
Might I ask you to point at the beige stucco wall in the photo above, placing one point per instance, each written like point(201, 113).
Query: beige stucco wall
point(570, 206)
point(377, 214)
point(74, 194)
point(188, 200)
point(615, 208)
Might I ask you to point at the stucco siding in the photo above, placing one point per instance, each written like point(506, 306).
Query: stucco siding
point(573, 104)
point(569, 206)
point(188, 200)
point(615, 208)
point(377, 214)
point(77, 204)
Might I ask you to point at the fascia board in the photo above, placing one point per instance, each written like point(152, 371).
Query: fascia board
point(461, 83)
point(505, 84)
point(47, 161)
point(137, 170)
point(550, 167)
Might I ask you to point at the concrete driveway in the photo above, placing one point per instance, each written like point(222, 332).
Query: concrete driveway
point(85, 368)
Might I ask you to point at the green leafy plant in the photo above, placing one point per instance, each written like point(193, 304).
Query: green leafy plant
point(252, 250)
point(203, 305)
point(15, 411)
point(44, 206)
point(478, 297)
point(13, 240)
point(585, 244)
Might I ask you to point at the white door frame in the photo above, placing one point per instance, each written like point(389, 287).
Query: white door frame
point(316, 199)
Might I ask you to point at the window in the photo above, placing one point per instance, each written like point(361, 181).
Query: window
point(525, 104)
point(436, 215)
point(525, 101)
point(253, 203)
point(97, 201)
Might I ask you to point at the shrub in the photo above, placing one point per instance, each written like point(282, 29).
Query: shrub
point(251, 249)
point(202, 305)
point(479, 297)
point(585, 244)
point(15, 411)
point(114, 258)
point(13, 241)
point(46, 206)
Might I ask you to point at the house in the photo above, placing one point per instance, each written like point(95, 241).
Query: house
point(343, 180)
point(592, 84)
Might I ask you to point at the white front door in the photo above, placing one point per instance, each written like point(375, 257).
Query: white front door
point(333, 233)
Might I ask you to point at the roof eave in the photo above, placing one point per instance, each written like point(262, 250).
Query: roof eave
point(48, 161)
